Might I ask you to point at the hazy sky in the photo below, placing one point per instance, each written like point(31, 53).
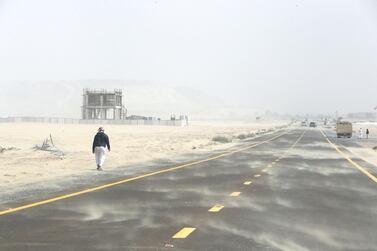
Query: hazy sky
point(287, 56)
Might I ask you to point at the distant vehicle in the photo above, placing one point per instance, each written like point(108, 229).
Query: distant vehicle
point(344, 129)
point(303, 123)
point(312, 124)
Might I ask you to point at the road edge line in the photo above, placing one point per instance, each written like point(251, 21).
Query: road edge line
point(360, 168)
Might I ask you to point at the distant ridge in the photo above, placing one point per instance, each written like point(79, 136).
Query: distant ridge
point(64, 99)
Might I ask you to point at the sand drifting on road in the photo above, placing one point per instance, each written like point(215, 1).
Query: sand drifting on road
point(367, 149)
point(24, 164)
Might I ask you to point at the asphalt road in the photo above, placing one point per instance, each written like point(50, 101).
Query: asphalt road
point(294, 192)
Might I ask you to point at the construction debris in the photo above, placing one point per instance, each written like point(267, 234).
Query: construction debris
point(48, 145)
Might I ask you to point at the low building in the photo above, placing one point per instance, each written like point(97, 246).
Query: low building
point(103, 105)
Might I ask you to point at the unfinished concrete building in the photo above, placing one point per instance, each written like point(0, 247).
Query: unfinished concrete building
point(103, 105)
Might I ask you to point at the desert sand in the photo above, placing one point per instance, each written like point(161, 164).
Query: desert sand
point(368, 147)
point(22, 164)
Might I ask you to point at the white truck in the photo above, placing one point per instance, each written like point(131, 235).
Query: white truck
point(344, 129)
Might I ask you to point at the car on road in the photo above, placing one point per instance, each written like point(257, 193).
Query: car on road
point(303, 123)
point(312, 124)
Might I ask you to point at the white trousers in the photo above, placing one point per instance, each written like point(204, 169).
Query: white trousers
point(100, 153)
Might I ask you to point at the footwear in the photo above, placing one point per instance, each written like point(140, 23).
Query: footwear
point(99, 168)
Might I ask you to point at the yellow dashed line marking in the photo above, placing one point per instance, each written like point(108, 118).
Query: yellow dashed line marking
point(257, 175)
point(184, 232)
point(264, 170)
point(361, 169)
point(216, 208)
point(235, 194)
point(247, 183)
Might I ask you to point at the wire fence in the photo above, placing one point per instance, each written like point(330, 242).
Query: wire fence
point(102, 122)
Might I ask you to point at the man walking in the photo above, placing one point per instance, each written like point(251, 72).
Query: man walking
point(367, 133)
point(100, 142)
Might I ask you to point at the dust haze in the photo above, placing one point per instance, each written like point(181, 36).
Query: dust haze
point(209, 59)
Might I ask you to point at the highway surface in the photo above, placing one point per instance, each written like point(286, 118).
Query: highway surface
point(290, 190)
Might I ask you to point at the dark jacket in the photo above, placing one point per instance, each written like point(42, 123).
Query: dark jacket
point(101, 139)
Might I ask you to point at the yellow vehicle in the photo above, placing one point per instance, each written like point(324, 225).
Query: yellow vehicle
point(344, 129)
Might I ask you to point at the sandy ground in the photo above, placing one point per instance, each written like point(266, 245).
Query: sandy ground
point(366, 151)
point(22, 164)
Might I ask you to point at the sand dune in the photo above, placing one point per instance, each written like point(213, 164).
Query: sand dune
point(141, 98)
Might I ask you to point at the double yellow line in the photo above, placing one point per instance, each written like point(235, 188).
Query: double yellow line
point(362, 169)
point(12, 210)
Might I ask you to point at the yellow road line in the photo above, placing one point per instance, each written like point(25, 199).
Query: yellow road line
point(298, 140)
point(216, 208)
point(247, 183)
point(360, 157)
point(12, 210)
point(362, 169)
point(184, 232)
point(281, 157)
point(235, 194)
point(257, 175)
